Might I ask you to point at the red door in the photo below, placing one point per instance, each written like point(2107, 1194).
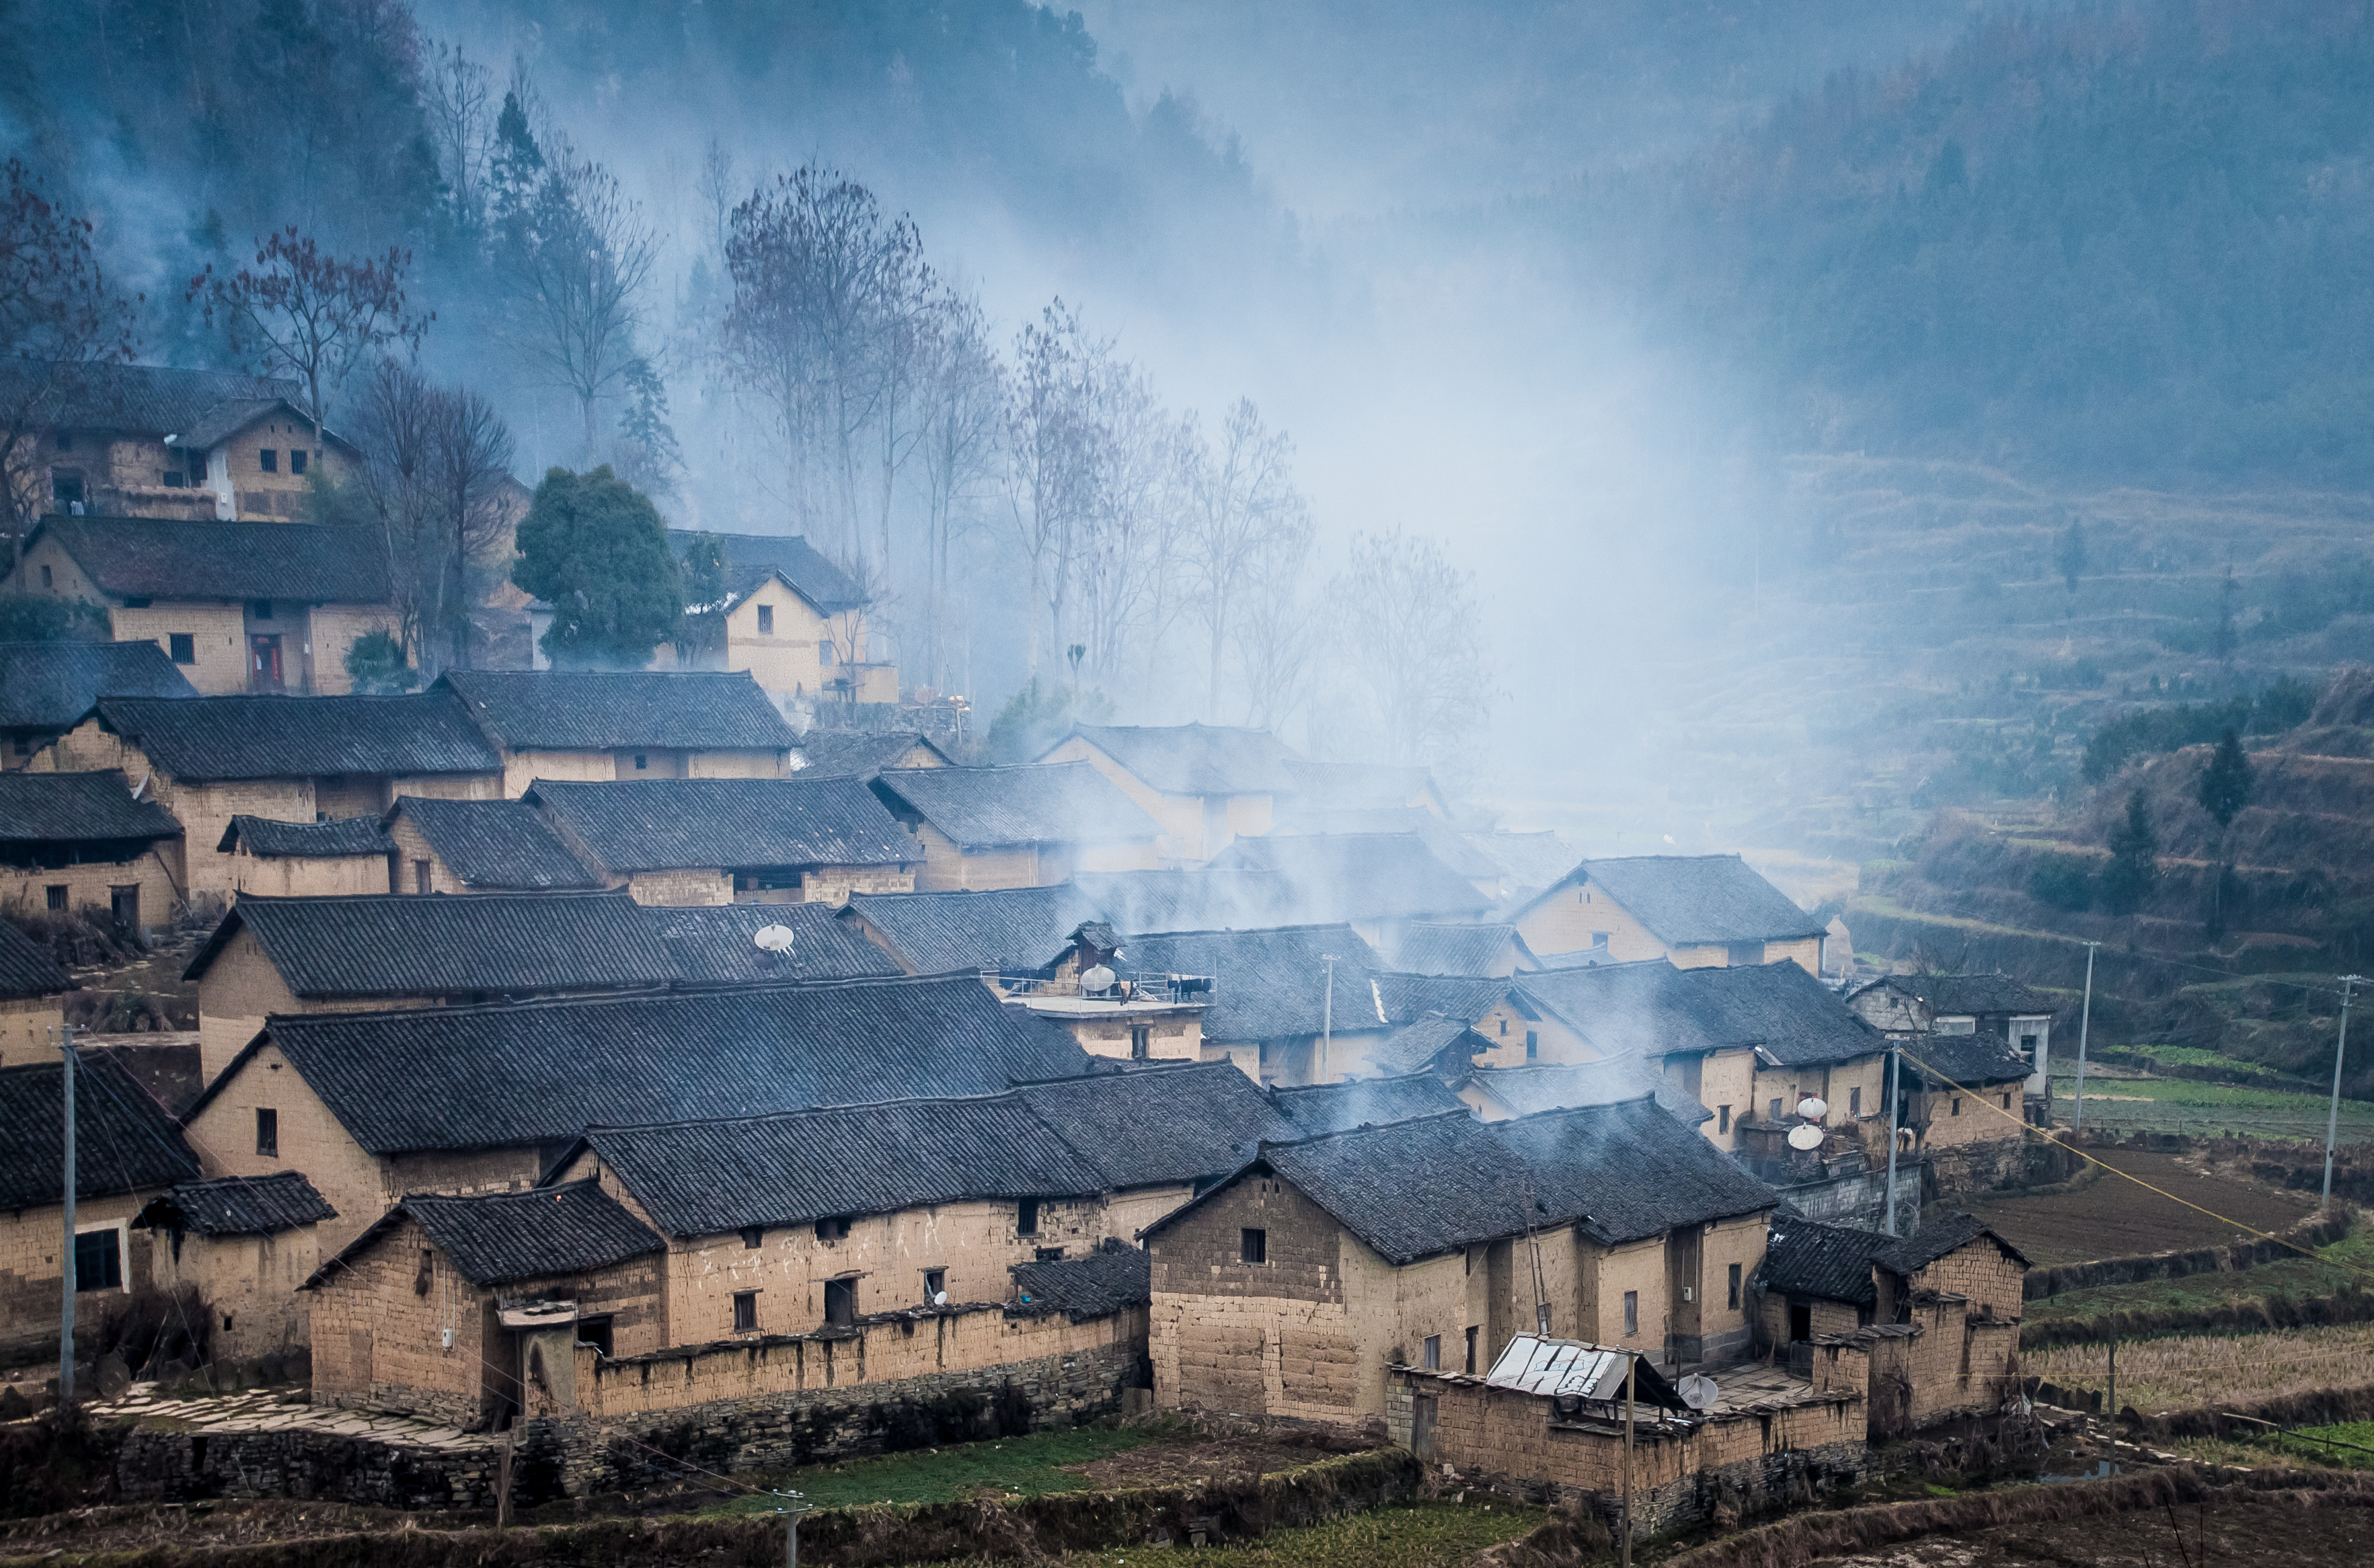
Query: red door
point(263, 672)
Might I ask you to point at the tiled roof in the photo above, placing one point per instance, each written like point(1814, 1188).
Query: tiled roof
point(531, 1072)
point(1016, 930)
point(1415, 1047)
point(986, 807)
point(1197, 759)
point(1197, 900)
point(304, 840)
point(297, 737)
point(1528, 862)
point(1429, 949)
point(1360, 876)
point(1687, 900)
point(1408, 998)
point(152, 400)
point(1338, 1107)
point(1630, 1170)
point(49, 686)
point(1974, 995)
point(500, 1239)
point(1411, 1189)
point(495, 845)
point(1548, 1086)
point(1191, 1122)
point(1267, 984)
point(705, 1177)
point(124, 1139)
point(1357, 786)
point(385, 944)
point(751, 557)
point(26, 966)
point(1934, 1239)
point(1445, 843)
point(858, 753)
point(711, 945)
point(569, 710)
point(1804, 1258)
point(1973, 1061)
point(300, 562)
point(240, 1206)
point(665, 824)
point(37, 808)
point(1113, 1278)
point(1654, 1009)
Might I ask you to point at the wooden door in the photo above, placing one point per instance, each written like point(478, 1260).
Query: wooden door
point(264, 668)
point(1422, 1427)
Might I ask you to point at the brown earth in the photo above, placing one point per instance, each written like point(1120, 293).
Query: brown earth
point(2114, 1218)
point(2227, 1532)
point(1186, 1464)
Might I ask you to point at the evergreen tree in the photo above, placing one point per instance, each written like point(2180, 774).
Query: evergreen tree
point(518, 163)
point(594, 549)
point(2225, 782)
point(2134, 868)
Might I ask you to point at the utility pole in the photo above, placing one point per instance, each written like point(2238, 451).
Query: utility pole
point(66, 1255)
point(1327, 1018)
point(2085, 1020)
point(2333, 1118)
point(1895, 1054)
point(1631, 1367)
point(2111, 1399)
point(794, 1505)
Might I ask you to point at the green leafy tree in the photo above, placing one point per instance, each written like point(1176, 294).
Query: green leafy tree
point(2133, 869)
point(1039, 715)
point(2069, 555)
point(704, 597)
point(593, 548)
point(376, 664)
point(2063, 882)
point(2225, 782)
point(34, 617)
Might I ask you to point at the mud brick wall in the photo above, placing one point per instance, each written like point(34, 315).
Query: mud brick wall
point(25, 1026)
point(680, 889)
point(1981, 1272)
point(31, 1277)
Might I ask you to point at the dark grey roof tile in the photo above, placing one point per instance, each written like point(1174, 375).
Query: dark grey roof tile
point(1189, 1122)
point(569, 710)
point(1338, 1107)
point(298, 737)
point(37, 808)
point(304, 840)
point(1360, 876)
point(711, 945)
point(501, 1238)
point(495, 845)
point(1691, 900)
point(299, 562)
point(750, 559)
point(1426, 948)
point(1017, 931)
point(1198, 759)
point(26, 967)
point(239, 1206)
point(125, 1141)
point(1113, 1278)
point(1805, 1258)
point(1654, 1009)
point(1267, 984)
point(1630, 1170)
point(668, 823)
point(989, 807)
point(49, 685)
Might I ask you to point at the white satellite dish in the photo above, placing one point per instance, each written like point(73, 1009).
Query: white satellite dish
point(773, 939)
point(1806, 1136)
point(1813, 1107)
point(939, 1298)
point(1099, 978)
point(1699, 1391)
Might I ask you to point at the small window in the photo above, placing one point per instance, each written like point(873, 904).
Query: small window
point(261, 609)
point(46, 581)
point(1432, 1359)
point(1723, 1119)
point(268, 1132)
point(840, 1302)
point(1141, 1042)
point(1253, 1245)
point(595, 1332)
point(1734, 1287)
point(65, 440)
point(420, 876)
point(754, 1236)
point(297, 456)
point(2006, 1101)
point(183, 647)
point(268, 460)
point(1599, 941)
point(834, 1228)
point(1532, 1044)
point(765, 620)
point(1047, 1255)
point(99, 1261)
point(642, 760)
point(137, 601)
point(935, 1285)
point(54, 894)
point(1742, 955)
point(746, 1312)
point(1504, 1027)
point(1957, 1105)
point(1776, 1112)
point(1854, 1102)
point(824, 651)
point(1631, 1313)
point(1471, 1351)
point(1026, 1217)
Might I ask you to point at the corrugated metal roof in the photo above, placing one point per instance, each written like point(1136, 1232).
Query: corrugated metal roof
point(49, 808)
point(1570, 1369)
point(49, 686)
point(567, 710)
point(987, 807)
point(301, 737)
point(667, 824)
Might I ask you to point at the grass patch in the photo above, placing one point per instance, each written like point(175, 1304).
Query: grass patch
point(1420, 1535)
point(2226, 1370)
point(2349, 1261)
point(2350, 1443)
point(1007, 1467)
point(2185, 1104)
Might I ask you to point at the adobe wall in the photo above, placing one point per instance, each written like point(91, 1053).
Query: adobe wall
point(333, 630)
point(25, 1026)
point(249, 1282)
point(1176, 1036)
point(307, 876)
point(32, 1276)
point(412, 850)
point(1181, 816)
point(1556, 1043)
point(833, 884)
point(240, 987)
point(1505, 1441)
point(732, 764)
point(218, 639)
point(1567, 919)
point(91, 886)
point(679, 889)
point(1726, 1086)
point(786, 659)
point(1852, 1090)
point(1981, 1272)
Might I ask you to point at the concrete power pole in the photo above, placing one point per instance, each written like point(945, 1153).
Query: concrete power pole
point(1895, 1054)
point(2333, 1118)
point(2084, 1019)
point(66, 1275)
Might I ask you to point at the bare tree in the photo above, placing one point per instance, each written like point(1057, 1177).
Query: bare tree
point(1133, 519)
point(313, 315)
point(1277, 638)
point(1247, 511)
point(1412, 643)
point(962, 393)
point(57, 316)
point(458, 95)
point(470, 467)
point(577, 260)
point(716, 189)
point(1051, 440)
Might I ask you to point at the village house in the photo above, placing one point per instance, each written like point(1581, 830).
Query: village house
point(126, 1151)
point(999, 933)
point(1320, 787)
point(792, 618)
point(1694, 910)
point(733, 841)
point(1135, 1019)
point(1377, 882)
point(717, 945)
point(85, 843)
point(1454, 849)
point(238, 606)
point(991, 827)
point(1191, 899)
point(1205, 785)
point(1316, 1109)
point(244, 1245)
point(1288, 1006)
point(1499, 1093)
point(47, 687)
point(1287, 1289)
point(283, 956)
point(1911, 1008)
point(212, 445)
point(581, 726)
point(209, 759)
point(1483, 951)
point(33, 1000)
point(488, 1095)
point(863, 753)
point(442, 846)
point(1441, 1047)
point(1964, 1117)
point(305, 859)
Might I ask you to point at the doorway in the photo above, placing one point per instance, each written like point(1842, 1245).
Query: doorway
point(1422, 1409)
point(264, 666)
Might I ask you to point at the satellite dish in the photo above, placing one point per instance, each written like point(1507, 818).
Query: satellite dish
point(1699, 1391)
point(1807, 1137)
point(1099, 978)
point(939, 1298)
point(772, 939)
point(1813, 1107)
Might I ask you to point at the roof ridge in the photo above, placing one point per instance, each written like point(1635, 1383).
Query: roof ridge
point(555, 1003)
point(1463, 1114)
point(749, 1118)
point(515, 894)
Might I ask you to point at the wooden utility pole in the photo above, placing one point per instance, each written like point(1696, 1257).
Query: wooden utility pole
point(1631, 1366)
point(67, 1281)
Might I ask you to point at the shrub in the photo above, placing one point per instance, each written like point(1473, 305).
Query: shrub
point(32, 617)
point(2062, 882)
point(377, 666)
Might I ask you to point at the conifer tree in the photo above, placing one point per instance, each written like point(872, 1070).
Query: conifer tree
point(2133, 869)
